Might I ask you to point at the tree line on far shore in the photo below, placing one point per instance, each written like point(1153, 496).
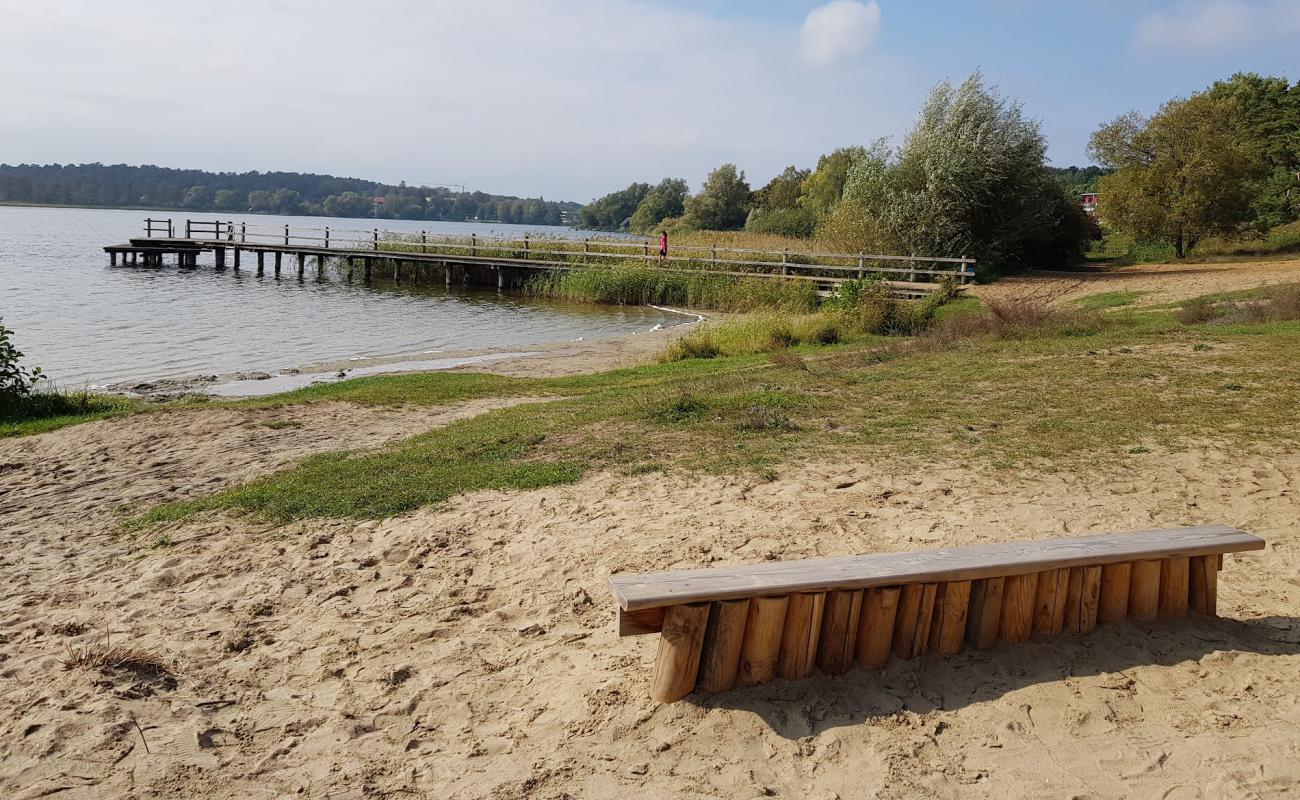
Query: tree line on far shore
point(291, 193)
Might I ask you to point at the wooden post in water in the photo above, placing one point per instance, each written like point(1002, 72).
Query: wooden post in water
point(278, 254)
point(366, 263)
point(236, 259)
point(302, 262)
point(261, 262)
point(220, 253)
point(320, 266)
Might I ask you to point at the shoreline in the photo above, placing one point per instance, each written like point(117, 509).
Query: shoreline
point(549, 359)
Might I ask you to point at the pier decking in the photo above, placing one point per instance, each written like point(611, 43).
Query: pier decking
point(509, 262)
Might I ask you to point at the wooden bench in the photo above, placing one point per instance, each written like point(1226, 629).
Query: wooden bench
point(744, 625)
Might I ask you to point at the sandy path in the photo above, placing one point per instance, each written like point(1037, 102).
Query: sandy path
point(468, 651)
point(1162, 283)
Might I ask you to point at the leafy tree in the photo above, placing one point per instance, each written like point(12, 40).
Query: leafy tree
point(612, 212)
point(782, 191)
point(228, 200)
point(1078, 180)
point(797, 222)
point(824, 187)
point(723, 201)
point(196, 197)
point(1270, 116)
point(1183, 174)
point(665, 201)
point(969, 180)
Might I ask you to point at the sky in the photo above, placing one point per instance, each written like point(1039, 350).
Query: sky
point(570, 99)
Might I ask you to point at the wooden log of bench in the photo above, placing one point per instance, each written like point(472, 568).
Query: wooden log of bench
point(743, 625)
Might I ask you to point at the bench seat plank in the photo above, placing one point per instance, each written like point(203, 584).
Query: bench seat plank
point(657, 589)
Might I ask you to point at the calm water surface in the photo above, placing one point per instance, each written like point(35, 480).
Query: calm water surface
point(87, 323)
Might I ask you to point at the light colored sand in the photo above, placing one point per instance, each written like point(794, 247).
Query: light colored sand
point(1162, 283)
point(468, 651)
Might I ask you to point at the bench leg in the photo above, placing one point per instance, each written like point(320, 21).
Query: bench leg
point(1018, 608)
point(839, 634)
point(678, 660)
point(876, 633)
point(912, 623)
point(1144, 590)
point(1049, 605)
point(951, 604)
point(803, 624)
point(1113, 603)
point(1204, 585)
point(762, 644)
point(984, 612)
point(720, 654)
point(1173, 586)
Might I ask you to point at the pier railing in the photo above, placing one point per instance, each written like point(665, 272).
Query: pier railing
point(564, 252)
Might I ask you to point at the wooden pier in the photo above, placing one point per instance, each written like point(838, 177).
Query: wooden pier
point(508, 262)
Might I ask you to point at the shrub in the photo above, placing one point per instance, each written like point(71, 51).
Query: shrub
point(15, 380)
point(1197, 310)
point(699, 343)
point(1016, 318)
point(796, 222)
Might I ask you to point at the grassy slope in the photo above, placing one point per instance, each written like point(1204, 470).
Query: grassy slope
point(1145, 382)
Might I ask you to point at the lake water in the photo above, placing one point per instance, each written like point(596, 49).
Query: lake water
point(86, 323)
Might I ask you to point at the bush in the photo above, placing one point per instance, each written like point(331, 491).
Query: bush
point(1016, 319)
point(796, 222)
point(1279, 304)
point(1197, 310)
point(15, 380)
point(699, 343)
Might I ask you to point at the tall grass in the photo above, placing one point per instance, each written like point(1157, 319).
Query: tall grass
point(46, 409)
point(638, 285)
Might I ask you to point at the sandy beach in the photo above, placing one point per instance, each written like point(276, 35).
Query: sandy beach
point(468, 650)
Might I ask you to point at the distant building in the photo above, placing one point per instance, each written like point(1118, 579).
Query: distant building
point(1088, 201)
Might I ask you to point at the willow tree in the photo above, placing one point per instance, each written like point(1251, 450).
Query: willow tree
point(970, 179)
point(1186, 173)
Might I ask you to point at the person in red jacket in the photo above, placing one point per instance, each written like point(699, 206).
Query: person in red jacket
point(663, 245)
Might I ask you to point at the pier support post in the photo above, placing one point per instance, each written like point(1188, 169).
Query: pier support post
point(236, 259)
point(351, 264)
point(302, 263)
point(112, 259)
point(261, 262)
point(366, 263)
point(501, 278)
point(277, 263)
point(446, 272)
point(397, 270)
point(320, 267)
point(221, 257)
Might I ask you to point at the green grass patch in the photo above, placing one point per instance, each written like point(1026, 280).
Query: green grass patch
point(44, 411)
point(642, 285)
point(1107, 300)
point(1066, 395)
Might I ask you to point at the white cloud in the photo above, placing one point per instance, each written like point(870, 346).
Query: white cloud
point(837, 30)
point(565, 98)
point(1199, 25)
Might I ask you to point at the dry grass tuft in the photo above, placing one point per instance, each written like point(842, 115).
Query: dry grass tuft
point(103, 654)
point(1014, 318)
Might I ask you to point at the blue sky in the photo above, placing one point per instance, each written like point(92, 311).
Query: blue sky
point(573, 98)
